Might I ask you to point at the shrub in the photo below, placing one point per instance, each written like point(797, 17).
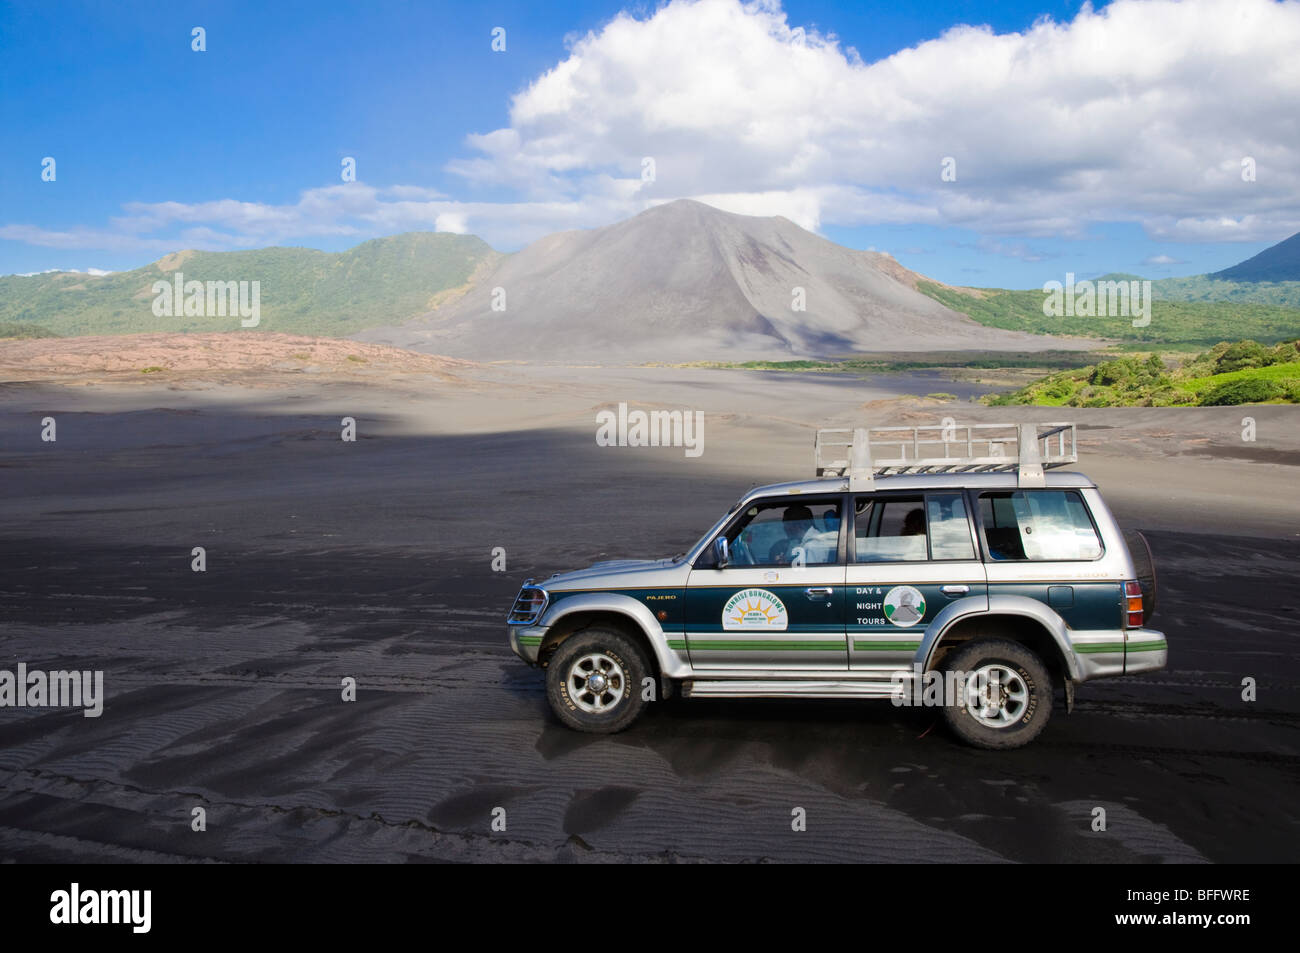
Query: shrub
point(1241, 355)
point(1113, 372)
point(1248, 391)
point(1059, 389)
point(1286, 352)
point(1099, 400)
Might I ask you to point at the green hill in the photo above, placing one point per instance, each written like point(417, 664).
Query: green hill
point(1259, 298)
point(1271, 277)
point(302, 291)
point(1184, 325)
point(1210, 288)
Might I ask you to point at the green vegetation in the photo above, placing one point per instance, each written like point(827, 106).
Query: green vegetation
point(1239, 372)
point(302, 291)
point(12, 329)
point(1208, 288)
point(1181, 325)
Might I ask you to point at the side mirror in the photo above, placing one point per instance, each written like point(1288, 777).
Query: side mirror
point(721, 553)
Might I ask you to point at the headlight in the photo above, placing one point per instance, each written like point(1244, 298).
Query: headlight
point(529, 605)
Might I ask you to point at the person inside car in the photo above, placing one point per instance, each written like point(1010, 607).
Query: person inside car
point(805, 542)
point(914, 523)
point(796, 522)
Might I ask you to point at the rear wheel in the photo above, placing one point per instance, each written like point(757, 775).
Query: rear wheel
point(1001, 694)
point(593, 681)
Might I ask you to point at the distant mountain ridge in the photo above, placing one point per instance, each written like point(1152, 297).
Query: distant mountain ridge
point(681, 281)
point(1272, 277)
point(685, 281)
point(1198, 311)
point(302, 290)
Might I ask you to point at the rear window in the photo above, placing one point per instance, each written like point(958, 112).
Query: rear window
point(1041, 525)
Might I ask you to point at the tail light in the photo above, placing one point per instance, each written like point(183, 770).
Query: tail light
point(1133, 604)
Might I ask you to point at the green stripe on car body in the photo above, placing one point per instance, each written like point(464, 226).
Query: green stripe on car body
point(723, 645)
point(1158, 646)
point(1093, 648)
point(867, 646)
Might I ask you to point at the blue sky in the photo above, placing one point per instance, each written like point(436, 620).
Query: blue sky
point(1103, 140)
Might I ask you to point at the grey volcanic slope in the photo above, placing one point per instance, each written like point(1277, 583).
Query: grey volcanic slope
point(685, 281)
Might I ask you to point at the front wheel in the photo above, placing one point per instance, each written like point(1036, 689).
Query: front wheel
point(997, 694)
point(594, 679)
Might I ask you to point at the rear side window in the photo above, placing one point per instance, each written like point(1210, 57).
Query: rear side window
point(949, 529)
point(890, 530)
point(912, 529)
point(1041, 525)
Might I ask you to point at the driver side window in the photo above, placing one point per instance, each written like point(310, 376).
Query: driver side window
point(786, 533)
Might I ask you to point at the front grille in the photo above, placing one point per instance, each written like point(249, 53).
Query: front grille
point(528, 606)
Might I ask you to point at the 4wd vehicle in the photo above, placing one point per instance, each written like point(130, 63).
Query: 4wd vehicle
point(956, 567)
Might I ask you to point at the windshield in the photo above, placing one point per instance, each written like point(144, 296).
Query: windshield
point(717, 527)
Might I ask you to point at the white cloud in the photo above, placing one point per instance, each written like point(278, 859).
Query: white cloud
point(89, 272)
point(1140, 112)
point(83, 237)
point(799, 206)
point(453, 222)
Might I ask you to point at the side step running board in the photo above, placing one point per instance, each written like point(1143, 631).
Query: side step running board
point(786, 688)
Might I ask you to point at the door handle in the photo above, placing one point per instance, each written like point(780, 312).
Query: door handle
point(956, 590)
point(819, 592)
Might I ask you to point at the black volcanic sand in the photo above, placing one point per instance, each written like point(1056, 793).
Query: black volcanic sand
point(373, 560)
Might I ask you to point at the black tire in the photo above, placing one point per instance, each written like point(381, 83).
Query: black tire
point(584, 655)
point(1024, 720)
point(1144, 565)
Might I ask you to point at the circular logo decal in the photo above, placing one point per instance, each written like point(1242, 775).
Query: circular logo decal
point(754, 609)
point(904, 605)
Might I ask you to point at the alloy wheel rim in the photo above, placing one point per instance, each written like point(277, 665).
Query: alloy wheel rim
point(596, 683)
point(996, 695)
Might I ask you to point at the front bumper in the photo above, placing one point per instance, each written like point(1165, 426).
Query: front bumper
point(526, 641)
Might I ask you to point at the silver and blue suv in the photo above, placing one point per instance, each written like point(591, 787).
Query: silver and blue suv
point(956, 567)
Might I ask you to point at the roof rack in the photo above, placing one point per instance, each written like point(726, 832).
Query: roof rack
point(863, 453)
